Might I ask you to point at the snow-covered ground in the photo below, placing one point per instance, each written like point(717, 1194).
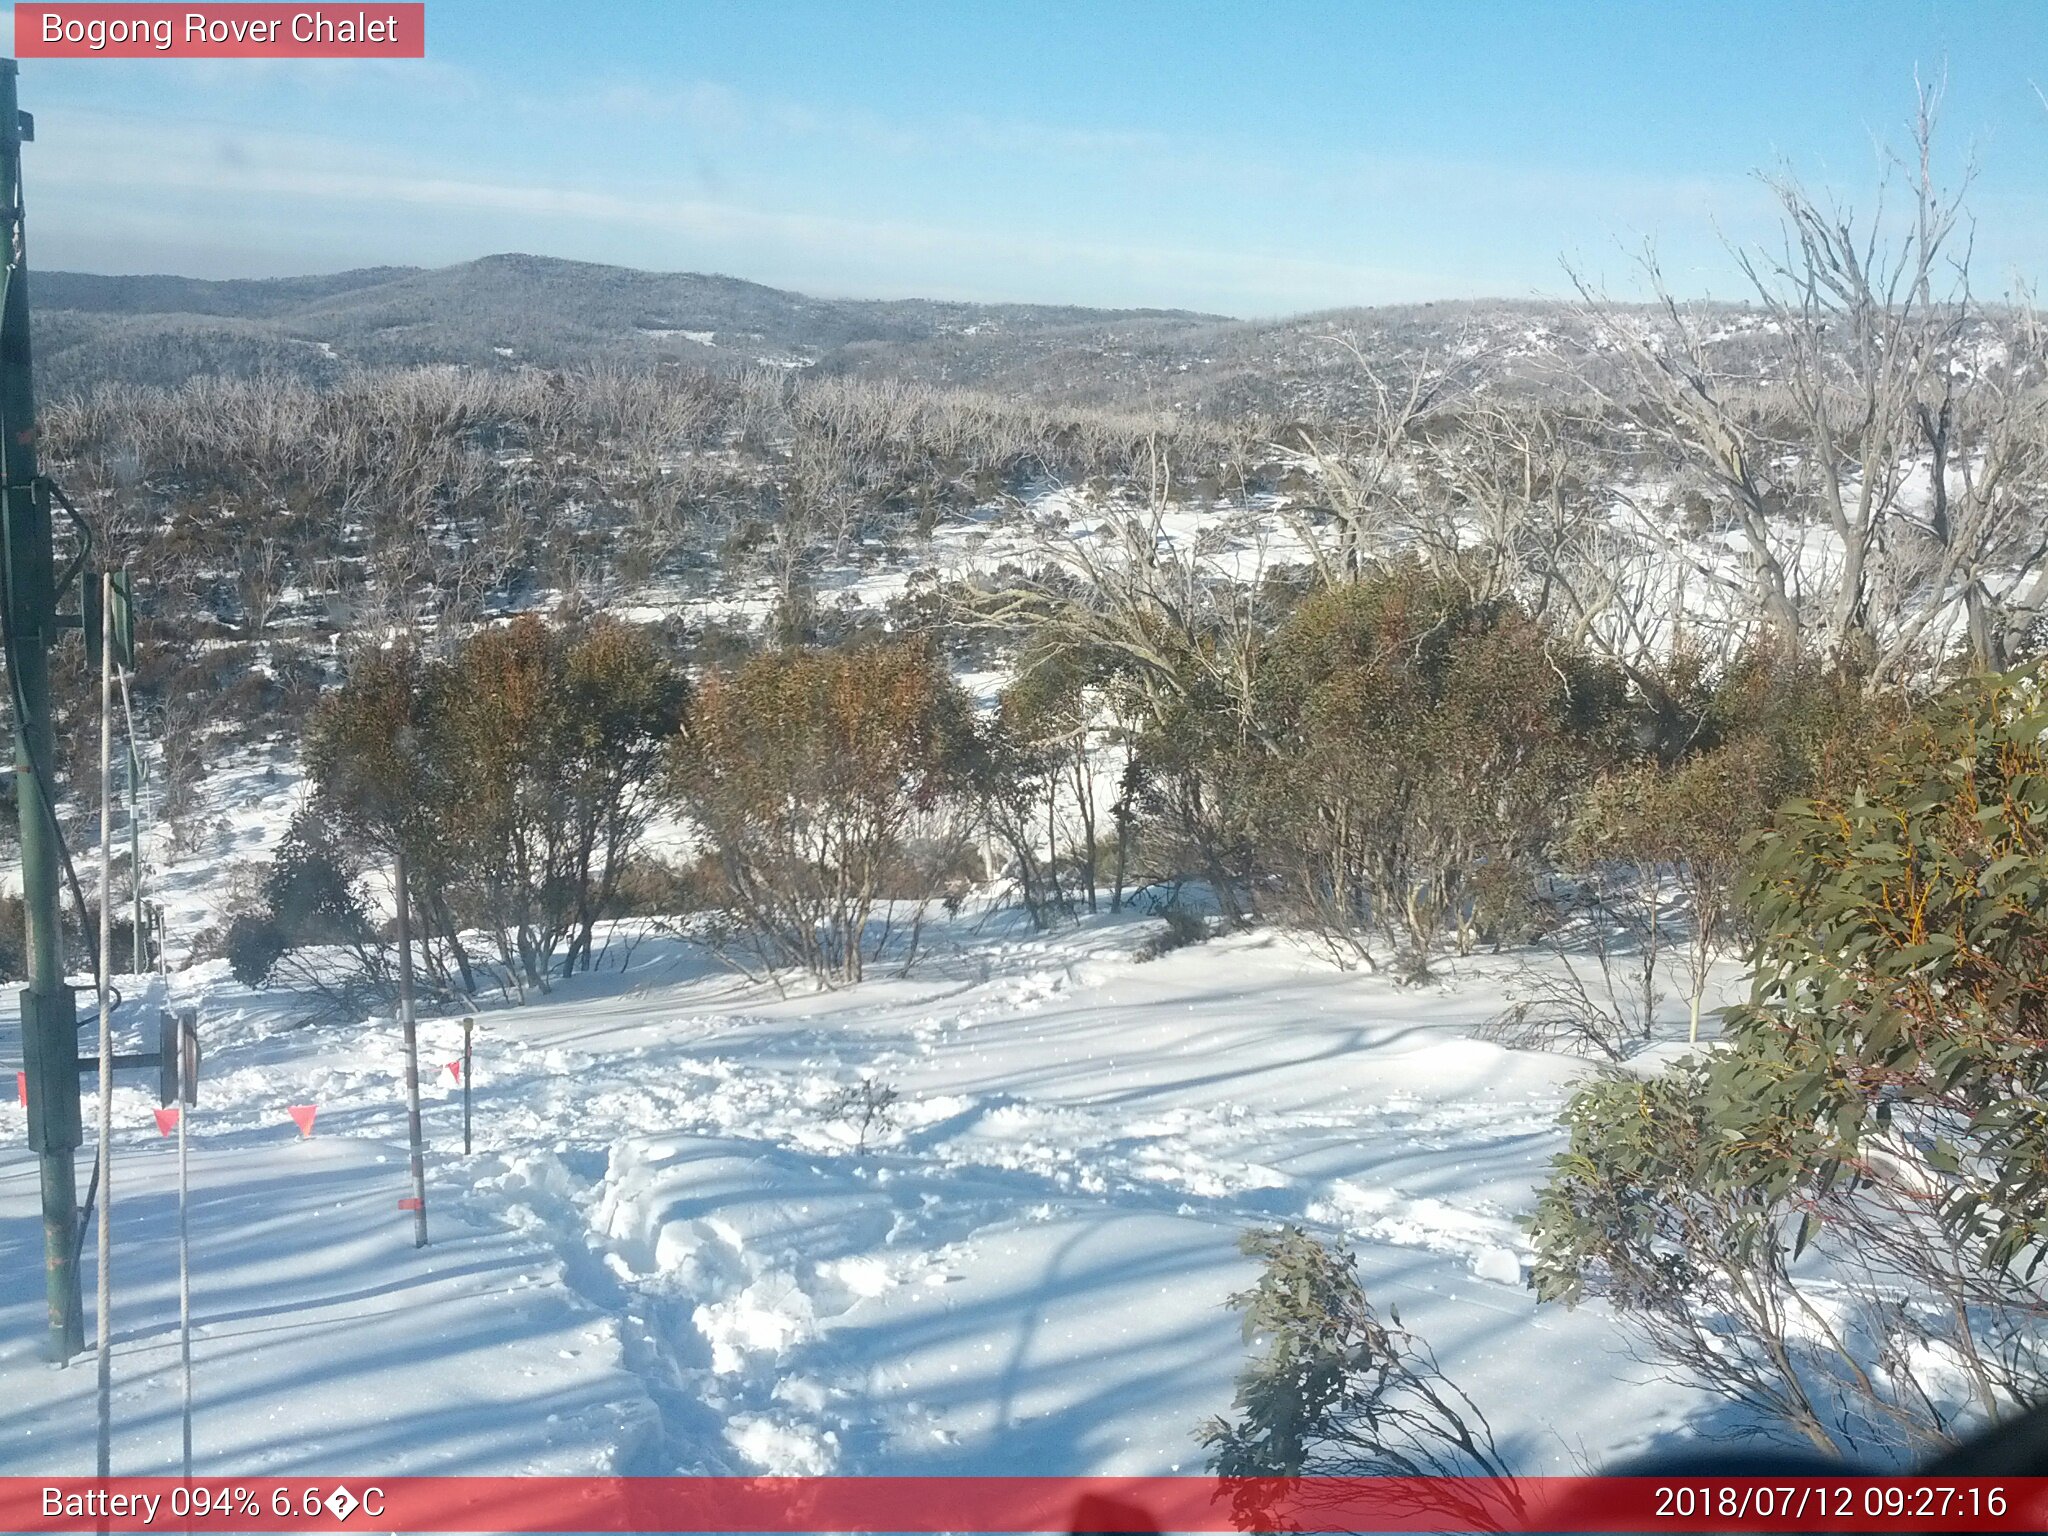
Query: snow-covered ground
point(664, 1255)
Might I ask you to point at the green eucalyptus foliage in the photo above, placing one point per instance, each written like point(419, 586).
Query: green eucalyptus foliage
point(1883, 1095)
point(1902, 970)
point(1336, 1388)
point(1650, 1192)
point(1425, 751)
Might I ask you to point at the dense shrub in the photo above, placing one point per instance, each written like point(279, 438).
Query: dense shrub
point(252, 946)
point(812, 776)
point(78, 930)
point(1878, 1101)
point(514, 776)
point(1424, 751)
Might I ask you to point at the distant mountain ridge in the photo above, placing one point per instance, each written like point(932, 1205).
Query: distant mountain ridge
point(498, 310)
point(512, 311)
point(159, 293)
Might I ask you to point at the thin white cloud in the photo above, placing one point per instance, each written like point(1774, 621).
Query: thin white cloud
point(227, 82)
point(717, 110)
point(1287, 237)
point(119, 159)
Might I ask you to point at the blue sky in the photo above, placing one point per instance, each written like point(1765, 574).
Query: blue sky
point(1251, 159)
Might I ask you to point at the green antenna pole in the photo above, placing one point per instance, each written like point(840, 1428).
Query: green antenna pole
point(49, 1012)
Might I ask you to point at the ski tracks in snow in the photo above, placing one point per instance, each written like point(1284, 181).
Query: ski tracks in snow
point(1025, 1268)
point(798, 1306)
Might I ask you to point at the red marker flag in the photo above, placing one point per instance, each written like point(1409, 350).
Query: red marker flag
point(302, 1116)
point(455, 1070)
point(167, 1120)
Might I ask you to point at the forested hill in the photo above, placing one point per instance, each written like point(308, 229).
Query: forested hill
point(498, 311)
point(512, 311)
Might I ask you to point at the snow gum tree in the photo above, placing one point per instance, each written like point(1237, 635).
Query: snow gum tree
point(561, 731)
point(381, 778)
point(516, 774)
point(624, 703)
point(1675, 824)
point(1036, 784)
point(1425, 746)
point(1839, 1216)
point(1901, 425)
point(822, 783)
point(1174, 637)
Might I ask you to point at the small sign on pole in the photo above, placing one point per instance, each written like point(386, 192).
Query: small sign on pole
point(166, 1120)
point(188, 1056)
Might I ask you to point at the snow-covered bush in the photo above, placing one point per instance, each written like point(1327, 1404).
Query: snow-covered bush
point(865, 1107)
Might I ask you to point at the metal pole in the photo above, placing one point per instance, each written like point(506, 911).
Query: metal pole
point(412, 1057)
point(49, 1015)
point(137, 947)
point(468, 1029)
point(188, 1100)
point(184, 1264)
point(104, 1303)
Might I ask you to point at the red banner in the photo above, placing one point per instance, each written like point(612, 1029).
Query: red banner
point(1016, 1504)
point(360, 31)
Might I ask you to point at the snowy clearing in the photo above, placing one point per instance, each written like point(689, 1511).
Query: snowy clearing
point(664, 1257)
